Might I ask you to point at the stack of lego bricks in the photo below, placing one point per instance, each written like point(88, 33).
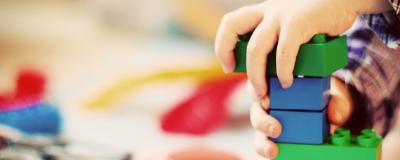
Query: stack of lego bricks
point(302, 108)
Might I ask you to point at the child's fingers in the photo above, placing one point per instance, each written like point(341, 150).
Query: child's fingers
point(236, 23)
point(265, 147)
point(264, 102)
point(290, 39)
point(264, 123)
point(339, 111)
point(261, 43)
point(340, 104)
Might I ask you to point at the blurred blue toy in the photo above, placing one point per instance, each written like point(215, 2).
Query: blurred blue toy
point(23, 109)
point(40, 118)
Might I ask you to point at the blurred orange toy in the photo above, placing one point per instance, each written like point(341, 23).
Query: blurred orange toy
point(197, 153)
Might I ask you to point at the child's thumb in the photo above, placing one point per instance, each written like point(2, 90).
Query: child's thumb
point(339, 110)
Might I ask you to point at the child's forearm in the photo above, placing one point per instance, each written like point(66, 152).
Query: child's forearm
point(371, 6)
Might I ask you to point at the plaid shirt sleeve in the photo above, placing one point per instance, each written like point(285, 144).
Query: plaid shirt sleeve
point(374, 66)
point(395, 5)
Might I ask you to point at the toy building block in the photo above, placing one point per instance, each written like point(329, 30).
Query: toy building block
point(341, 145)
point(240, 54)
point(305, 94)
point(320, 57)
point(39, 118)
point(302, 126)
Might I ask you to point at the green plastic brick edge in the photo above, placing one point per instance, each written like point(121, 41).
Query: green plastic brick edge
point(347, 148)
point(315, 58)
point(240, 56)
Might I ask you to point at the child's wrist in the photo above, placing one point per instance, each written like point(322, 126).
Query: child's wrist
point(370, 6)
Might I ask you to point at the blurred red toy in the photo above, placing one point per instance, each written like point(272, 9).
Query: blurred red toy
point(204, 111)
point(30, 88)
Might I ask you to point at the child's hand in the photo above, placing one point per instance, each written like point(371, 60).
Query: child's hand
point(339, 110)
point(288, 22)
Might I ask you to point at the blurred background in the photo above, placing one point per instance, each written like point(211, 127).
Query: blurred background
point(124, 73)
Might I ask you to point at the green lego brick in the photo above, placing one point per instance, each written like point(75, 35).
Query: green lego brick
point(320, 57)
point(340, 146)
point(240, 56)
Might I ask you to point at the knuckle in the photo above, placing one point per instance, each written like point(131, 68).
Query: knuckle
point(228, 19)
point(289, 21)
point(292, 19)
point(295, 29)
point(284, 56)
point(293, 24)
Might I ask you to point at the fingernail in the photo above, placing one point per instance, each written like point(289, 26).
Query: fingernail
point(267, 153)
point(272, 153)
point(286, 84)
point(271, 131)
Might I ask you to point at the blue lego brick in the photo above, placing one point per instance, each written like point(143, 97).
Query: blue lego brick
point(39, 118)
point(303, 127)
point(305, 94)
